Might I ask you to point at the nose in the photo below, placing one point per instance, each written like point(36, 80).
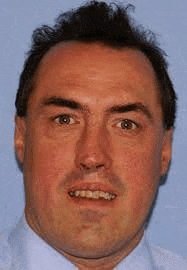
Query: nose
point(93, 150)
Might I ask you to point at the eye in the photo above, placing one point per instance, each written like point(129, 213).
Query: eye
point(64, 119)
point(127, 124)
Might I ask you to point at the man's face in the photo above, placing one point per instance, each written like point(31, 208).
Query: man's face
point(93, 148)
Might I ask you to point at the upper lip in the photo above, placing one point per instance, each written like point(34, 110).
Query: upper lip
point(93, 186)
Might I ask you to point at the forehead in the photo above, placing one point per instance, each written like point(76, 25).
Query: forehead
point(96, 71)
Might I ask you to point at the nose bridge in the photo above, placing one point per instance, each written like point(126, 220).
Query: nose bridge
point(93, 148)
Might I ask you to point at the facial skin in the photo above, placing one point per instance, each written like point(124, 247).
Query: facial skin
point(100, 144)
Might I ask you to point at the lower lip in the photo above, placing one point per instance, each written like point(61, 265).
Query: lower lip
point(86, 202)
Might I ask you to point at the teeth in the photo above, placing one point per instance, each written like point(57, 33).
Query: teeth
point(82, 193)
point(89, 194)
point(77, 193)
point(92, 194)
point(95, 194)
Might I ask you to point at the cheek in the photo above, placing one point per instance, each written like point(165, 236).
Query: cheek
point(46, 164)
point(139, 169)
point(48, 155)
point(140, 161)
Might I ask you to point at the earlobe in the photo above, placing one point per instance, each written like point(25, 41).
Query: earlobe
point(166, 151)
point(19, 138)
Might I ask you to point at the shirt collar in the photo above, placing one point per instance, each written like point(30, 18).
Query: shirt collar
point(31, 252)
point(139, 259)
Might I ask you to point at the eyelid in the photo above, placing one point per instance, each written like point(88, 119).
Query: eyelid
point(55, 118)
point(136, 125)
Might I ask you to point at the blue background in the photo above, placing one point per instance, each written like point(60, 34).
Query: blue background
point(168, 18)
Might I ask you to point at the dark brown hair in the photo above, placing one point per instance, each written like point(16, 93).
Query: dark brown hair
point(109, 24)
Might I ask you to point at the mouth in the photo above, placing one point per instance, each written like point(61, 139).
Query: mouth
point(92, 195)
point(92, 192)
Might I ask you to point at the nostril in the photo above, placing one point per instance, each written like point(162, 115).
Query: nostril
point(99, 166)
point(90, 167)
point(84, 166)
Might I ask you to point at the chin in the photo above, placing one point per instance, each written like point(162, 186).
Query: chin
point(93, 249)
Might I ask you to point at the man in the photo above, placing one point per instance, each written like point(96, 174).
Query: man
point(94, 126)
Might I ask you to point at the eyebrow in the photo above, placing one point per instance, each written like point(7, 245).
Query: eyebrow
point(122, 108)
point(137, 107)
point(62, 102)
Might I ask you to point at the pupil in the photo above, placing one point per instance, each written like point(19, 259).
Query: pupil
point(125, 125)
point(65, 119)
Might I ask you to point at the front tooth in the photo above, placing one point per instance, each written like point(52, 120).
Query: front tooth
point(89, 194)
point(95, 194)
point(82, 193)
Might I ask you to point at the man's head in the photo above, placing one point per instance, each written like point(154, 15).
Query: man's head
point(108, 24)
point(95, 111)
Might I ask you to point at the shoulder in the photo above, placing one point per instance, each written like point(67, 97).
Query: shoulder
point(5, 253)
point(167, 260)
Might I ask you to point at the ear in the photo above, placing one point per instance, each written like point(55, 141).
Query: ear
point(19, 138)
point(166, 151)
